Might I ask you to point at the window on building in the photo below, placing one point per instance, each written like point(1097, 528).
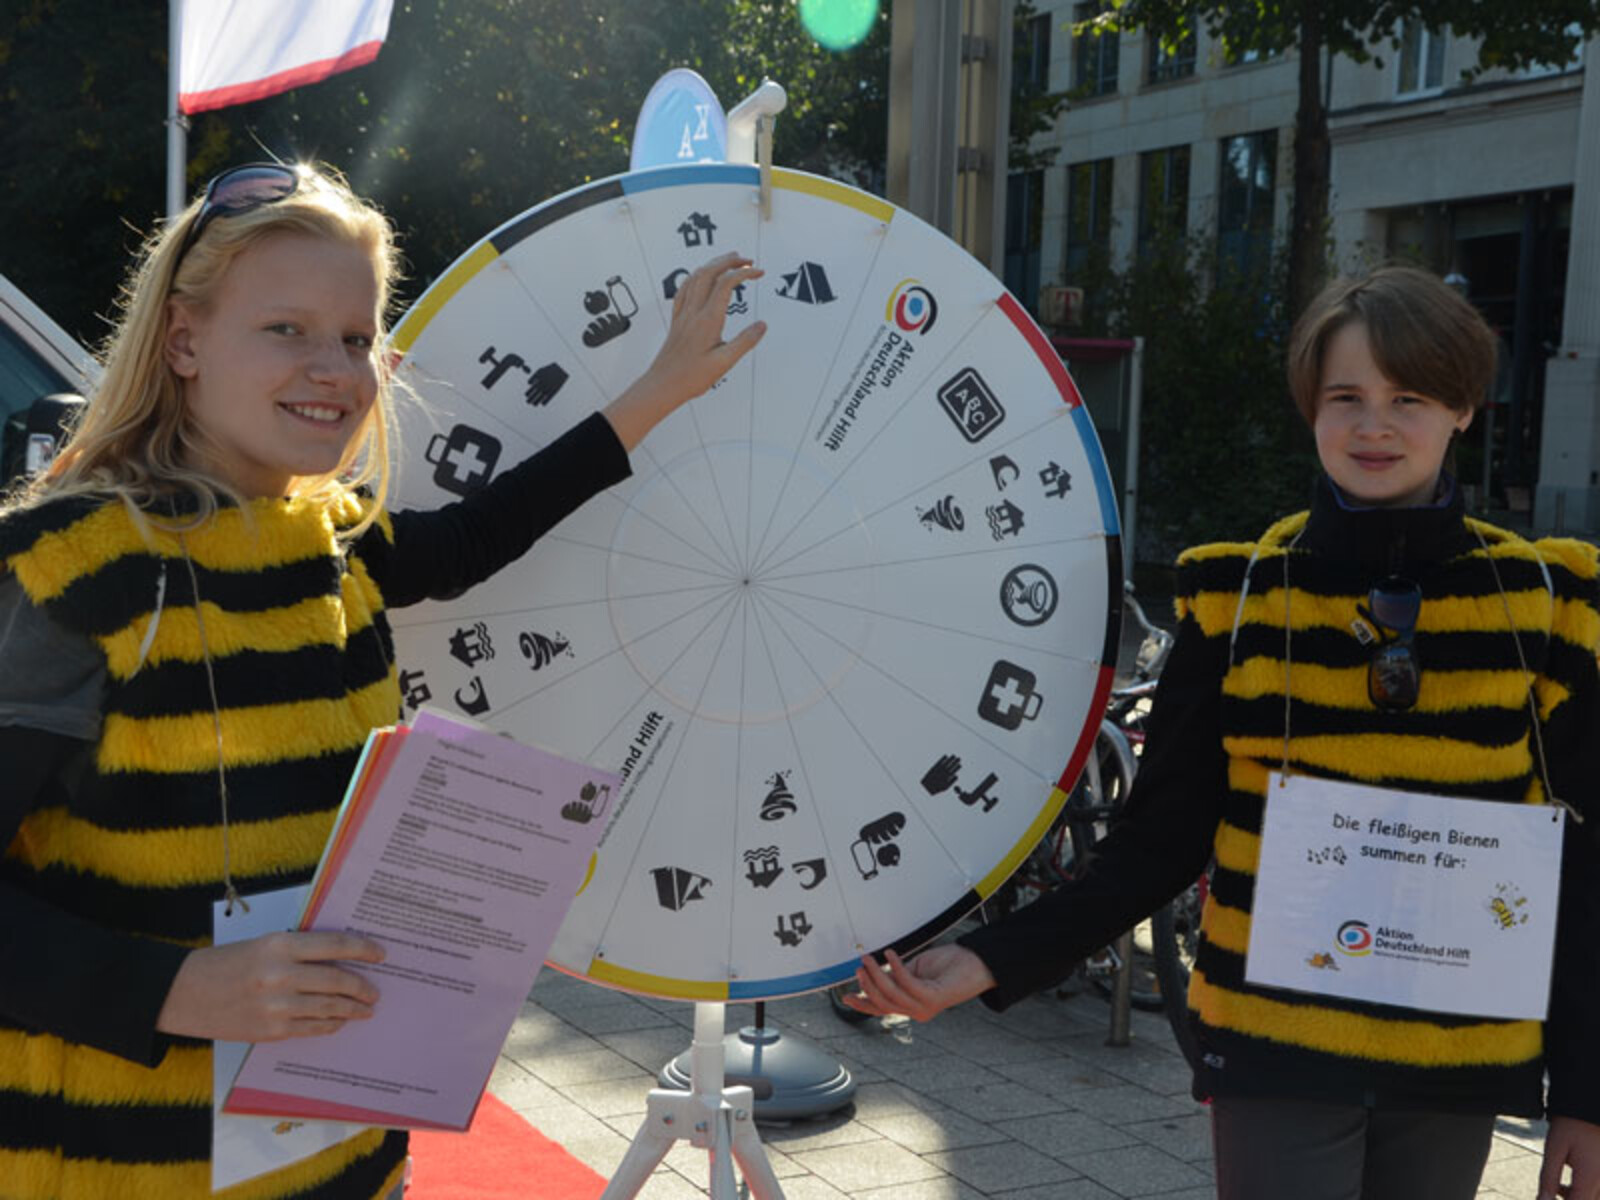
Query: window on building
point(1163, 195)
point(1169, 61)
point(1088, 214)
point(1024, 235)
point(1096, 53)
point(1421, 58)
point(1245, 198)
point(1030, 62)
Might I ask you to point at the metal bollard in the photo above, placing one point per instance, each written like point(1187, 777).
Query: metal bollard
point(1122, 993)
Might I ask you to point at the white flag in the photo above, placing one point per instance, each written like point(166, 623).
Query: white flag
point(239, 50)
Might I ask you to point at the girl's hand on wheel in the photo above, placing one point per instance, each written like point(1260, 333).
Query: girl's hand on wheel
point(935, 980)
point(694, 355)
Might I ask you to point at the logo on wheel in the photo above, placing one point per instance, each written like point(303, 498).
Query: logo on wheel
point(912, 307)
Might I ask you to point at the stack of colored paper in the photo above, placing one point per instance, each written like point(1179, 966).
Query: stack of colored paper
point(459, 850)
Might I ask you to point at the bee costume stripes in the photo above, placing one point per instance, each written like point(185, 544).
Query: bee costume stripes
point(1218, 728)
point(117, 858)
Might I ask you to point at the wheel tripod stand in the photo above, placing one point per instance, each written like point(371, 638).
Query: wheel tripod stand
point(718, 1119)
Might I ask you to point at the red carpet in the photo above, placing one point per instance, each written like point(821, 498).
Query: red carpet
point(501, 1157)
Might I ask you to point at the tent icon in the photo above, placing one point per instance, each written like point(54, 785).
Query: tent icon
point(675, 887)
point(808, 284)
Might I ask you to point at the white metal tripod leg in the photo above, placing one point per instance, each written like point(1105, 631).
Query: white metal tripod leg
point(717, 1119)
point(747, 1149)
point(649, 1146)
point(723, 1184)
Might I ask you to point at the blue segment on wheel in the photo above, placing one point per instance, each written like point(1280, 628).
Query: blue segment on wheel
point(791, 985)
point(1102, 477)
point(660, 177)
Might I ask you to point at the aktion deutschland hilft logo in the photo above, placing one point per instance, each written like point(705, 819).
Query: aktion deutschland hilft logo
point(911, 307)
point(1354, 939)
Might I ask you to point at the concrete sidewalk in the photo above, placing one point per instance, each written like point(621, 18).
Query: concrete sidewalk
point(1026, 1105)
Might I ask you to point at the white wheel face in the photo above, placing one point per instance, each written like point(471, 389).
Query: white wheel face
point(848, 629)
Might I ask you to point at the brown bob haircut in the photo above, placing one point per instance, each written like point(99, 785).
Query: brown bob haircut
point(1423, 333)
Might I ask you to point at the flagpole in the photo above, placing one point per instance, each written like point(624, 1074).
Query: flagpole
point(177, 123)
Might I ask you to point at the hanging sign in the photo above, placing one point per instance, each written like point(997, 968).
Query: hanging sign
point(1427, 902)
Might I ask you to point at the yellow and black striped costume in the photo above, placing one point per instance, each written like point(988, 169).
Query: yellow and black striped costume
point(1469, 735)
point(303, 670)
point(1218, 729)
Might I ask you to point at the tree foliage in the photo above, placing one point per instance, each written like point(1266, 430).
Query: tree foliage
point(474, 111)
point(1034, 108)
point(1511, 36)
point(1223, 452)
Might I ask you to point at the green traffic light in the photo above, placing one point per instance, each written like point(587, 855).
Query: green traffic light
point(838, 24)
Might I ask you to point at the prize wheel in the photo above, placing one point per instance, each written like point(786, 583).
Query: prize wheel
point(847, 631)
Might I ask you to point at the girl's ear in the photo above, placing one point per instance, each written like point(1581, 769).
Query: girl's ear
point(178, 348)
point(1464, 420)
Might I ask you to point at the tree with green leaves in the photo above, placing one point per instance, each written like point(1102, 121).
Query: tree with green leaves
point(1511, 36)
point(473, 111)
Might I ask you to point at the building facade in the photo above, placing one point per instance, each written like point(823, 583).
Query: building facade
point(1484, 181)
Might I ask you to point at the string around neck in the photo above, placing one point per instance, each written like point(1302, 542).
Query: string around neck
point(1527, 675)
point(230, 893)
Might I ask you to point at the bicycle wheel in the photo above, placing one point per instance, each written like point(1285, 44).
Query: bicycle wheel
point(1175, 933)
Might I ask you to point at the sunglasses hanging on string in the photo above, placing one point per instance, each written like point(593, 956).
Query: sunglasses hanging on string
point(1388, 629)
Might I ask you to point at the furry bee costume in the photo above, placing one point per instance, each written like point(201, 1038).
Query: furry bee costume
point(1217, 729)
point(116, 857)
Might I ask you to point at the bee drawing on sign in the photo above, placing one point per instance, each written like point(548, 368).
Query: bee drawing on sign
point(1507, 906)
point(540, 650)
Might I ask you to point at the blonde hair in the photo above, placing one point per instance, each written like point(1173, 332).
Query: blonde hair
point(136, 440)
point(1424, 336)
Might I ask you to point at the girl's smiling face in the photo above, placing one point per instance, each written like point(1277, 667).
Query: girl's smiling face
point(279, 372)
point(1382, 444)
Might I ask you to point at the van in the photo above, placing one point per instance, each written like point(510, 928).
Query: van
point(44, 374)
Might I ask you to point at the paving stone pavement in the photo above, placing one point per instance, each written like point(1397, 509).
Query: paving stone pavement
point(1030, 1104)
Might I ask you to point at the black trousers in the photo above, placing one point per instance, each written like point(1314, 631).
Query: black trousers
point(1280, 1149)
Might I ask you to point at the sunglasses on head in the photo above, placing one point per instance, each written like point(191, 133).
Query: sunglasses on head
point(238, 190)
point(1394, 678)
